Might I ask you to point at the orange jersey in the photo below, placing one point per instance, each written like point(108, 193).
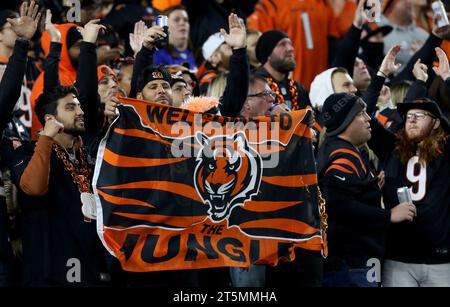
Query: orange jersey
point(294, 18)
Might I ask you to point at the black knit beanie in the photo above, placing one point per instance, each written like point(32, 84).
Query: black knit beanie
point(153, 72)
point(339, 110)
point(266, 43)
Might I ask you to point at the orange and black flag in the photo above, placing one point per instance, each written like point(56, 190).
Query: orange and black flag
point(182, 190)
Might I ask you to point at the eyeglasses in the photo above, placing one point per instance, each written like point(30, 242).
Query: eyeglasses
point(264, 94)
point(417, 116)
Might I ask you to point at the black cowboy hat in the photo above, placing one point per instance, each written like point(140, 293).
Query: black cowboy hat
point(425, 104)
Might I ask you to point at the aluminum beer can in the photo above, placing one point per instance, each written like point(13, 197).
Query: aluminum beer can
point(162, 21)
point(404, 195)
point(440, 14)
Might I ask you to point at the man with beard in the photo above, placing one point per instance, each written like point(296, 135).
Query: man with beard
point(275, 52)
point(155, 85)
point(418, 158)
point(60, 243)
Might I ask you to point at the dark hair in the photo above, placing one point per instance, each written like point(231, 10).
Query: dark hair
point(47, 102)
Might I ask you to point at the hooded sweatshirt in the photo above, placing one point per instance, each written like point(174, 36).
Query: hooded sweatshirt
point(321, 88)
point(67, 73)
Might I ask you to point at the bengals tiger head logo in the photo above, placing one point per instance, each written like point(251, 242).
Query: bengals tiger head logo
point(227, 174)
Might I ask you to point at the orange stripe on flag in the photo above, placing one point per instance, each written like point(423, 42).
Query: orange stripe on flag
point(124, 161)
point(295, 181)
point(281, 224)
point(175, 221)
point(343, 150)
point(141, 134)
point(315, 244)
point(173, 187)
point(123, 201)
point(269, 206)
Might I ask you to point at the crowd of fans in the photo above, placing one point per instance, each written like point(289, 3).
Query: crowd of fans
point(380, 93)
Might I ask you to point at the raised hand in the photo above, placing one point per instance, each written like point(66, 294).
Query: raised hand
point(443, 69)
point(360, 15)
point(420, 71)
point(137, 37)
point(55, 34)
point(152, 35)
point(388, 65)
point(90, 30)
point(237, 37)
point(25, 26)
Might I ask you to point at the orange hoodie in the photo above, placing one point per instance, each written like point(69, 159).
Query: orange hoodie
point(67, 73)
